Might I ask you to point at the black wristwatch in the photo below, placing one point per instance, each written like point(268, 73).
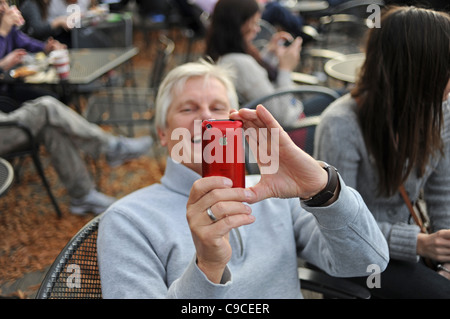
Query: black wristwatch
point(328, 192)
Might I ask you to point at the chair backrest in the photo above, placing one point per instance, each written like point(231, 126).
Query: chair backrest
point(74, 274)
point(165, 51)
point(302, 92)
point(6, 175)
point(344, 29)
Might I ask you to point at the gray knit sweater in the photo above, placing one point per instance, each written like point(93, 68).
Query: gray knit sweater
point(145, 248)
point(339, 142)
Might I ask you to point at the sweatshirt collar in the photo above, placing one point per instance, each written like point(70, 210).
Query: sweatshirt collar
point(178, 177)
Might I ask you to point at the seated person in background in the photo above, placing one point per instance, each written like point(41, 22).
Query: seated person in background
point(35, 13)
point(63, 132)
point(234, 25)
point(280, 16)
point(14, 45)
point(57, 10)
point(272, 11)
point(12, 38)
point(392, 130)
point(160, 242)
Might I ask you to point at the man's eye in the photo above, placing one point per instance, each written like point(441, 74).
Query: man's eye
point(219, 108)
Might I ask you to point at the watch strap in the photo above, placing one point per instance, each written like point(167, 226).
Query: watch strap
point(328, 192)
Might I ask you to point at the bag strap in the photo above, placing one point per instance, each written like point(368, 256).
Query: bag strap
point(411, 209)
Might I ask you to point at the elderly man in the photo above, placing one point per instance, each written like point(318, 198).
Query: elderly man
point(194, 237)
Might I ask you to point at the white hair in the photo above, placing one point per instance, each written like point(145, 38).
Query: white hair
point(175, 80)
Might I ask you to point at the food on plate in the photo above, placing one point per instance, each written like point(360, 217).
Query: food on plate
point(22, 71)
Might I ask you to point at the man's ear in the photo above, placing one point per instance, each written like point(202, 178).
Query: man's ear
point(162, 136)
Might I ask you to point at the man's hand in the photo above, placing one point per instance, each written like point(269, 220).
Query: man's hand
point(298, 175)
point(211, 237)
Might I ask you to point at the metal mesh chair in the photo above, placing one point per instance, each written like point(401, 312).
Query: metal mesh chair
point(74, 274)
point(129, 106)
point(32, 149)
point(344, 29)
point(6, 175)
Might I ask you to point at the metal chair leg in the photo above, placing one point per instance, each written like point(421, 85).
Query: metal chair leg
point(38, 165)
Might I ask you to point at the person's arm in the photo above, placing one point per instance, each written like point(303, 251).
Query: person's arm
point(300, 175)
point(37, 27)
point(131, 267)
point(252, 82)
point(122, 267)
point(437, 197)
point(339, 142)
point(342, 238)
point(24, 41)
point(12, 59)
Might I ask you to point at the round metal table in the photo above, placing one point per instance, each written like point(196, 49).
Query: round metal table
point(346, 67)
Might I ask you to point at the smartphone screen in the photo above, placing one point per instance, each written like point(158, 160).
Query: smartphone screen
point(223, 150)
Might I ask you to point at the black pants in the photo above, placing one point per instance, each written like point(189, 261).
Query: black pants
point(407, 280)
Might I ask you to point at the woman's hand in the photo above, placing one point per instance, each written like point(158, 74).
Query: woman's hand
point(435, 246)
point(298, 174)
point(211, 237)
point(60, 22)
point(446, 272)
point(52, 44)
point(289, 56)
point(11, 17)
point(12, 59)
point(278, 39)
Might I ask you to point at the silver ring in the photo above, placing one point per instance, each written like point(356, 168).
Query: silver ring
point(441, 267)
point(211, 215)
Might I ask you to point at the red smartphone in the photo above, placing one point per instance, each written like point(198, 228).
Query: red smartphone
point(223, 150)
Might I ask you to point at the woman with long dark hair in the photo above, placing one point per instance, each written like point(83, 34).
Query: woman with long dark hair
point(234, 25)
point(393, 130)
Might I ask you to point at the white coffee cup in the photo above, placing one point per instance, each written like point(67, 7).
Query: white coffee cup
point(61, 61)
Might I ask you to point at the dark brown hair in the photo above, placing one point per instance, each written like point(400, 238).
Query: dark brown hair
point(400, 92)
point(43, 8)
point(224, 33)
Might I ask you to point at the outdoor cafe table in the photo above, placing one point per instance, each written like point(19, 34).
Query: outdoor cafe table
point(86, 65)
point(345, 68)
point(305, 6)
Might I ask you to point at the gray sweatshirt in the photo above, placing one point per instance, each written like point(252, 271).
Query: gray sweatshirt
point(252, 81)
point(339, 141)
point(145, 248)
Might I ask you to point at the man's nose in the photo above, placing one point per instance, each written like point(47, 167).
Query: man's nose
point(206, 114)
